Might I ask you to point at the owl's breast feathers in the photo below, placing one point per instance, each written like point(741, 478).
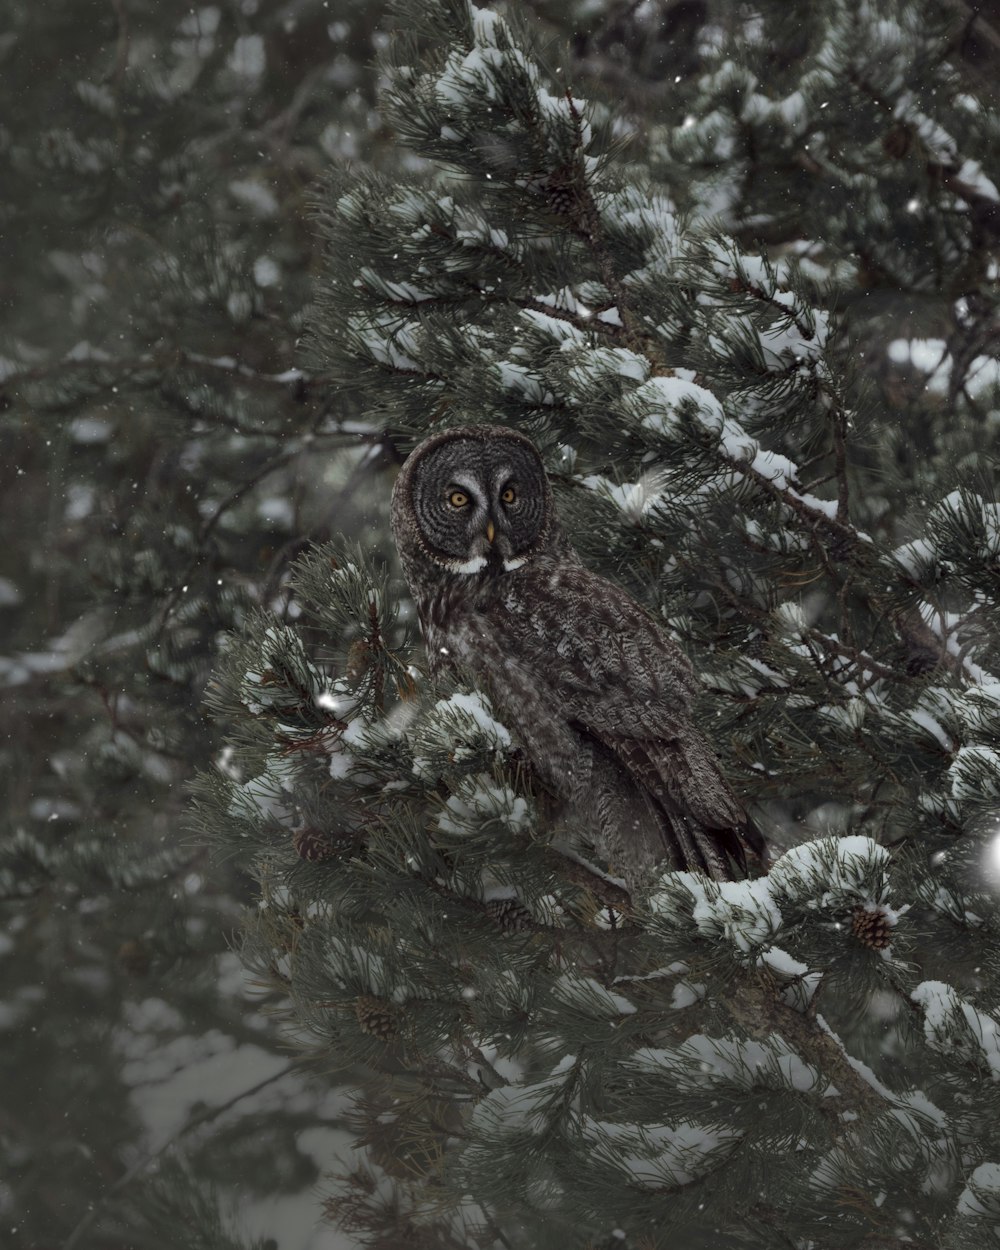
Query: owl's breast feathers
point(619, 682)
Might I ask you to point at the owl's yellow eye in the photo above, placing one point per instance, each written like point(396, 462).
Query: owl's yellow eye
point(458, 498)
point(508, 495)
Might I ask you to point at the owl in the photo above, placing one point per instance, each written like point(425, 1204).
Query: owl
point(599, 696)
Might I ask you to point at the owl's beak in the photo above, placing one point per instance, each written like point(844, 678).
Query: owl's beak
point(490, 531)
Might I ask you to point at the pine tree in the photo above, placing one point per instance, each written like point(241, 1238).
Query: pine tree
point(681, 315)
point(161, 455)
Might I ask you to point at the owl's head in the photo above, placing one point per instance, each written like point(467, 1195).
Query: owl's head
point(472, 498)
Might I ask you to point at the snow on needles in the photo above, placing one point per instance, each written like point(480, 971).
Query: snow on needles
point(742, 1063)
point(480, 802)
point(473, 710)
point(829, 875)
point(590, 997)
point(952, 1024)
point(657, 1156)
point(659, 400)
point(981, 1195)
point(484, 72)
point(462, 730)
point(743, 912)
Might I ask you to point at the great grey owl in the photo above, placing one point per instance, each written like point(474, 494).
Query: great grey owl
point(598, 695)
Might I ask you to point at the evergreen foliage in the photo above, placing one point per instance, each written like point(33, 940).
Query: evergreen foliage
point(161, 457)
point(735, 269)
point(807, 1059)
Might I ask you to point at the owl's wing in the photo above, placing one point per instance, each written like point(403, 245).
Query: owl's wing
point(617, 668)
point(627, 685)
point(618, 674)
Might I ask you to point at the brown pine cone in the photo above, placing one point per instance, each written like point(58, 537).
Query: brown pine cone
point(376, 1017)
point(314, 845)
point(872, 927)
point(509, 915)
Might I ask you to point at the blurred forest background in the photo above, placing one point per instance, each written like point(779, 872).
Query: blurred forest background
point(162, 462)
point(164, 457)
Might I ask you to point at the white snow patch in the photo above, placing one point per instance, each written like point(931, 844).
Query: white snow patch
point(975, 773)
point(832, 873)
point(981, 1195)
point(951, 1023)
point(515, 377)
point(657, 1156)
point(480, 801)
point(590, 997)
point(932, 726)
point(660, 398)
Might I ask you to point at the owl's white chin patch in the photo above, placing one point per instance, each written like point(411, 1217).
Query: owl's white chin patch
point(514, 563)
point(475, 565)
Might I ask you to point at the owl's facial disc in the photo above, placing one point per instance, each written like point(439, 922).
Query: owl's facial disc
point(480, 504)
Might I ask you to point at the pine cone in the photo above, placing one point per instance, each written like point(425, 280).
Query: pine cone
point(357, 659)
point(509, 915)
point(376, 1017)
point(314, 845)
point(872, 928)
point(561, 192)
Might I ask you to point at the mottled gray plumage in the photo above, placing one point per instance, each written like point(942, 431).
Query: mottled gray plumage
point(598, 695)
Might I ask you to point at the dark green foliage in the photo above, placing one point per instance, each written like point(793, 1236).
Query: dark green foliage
point(161, 457)
point(734, 269)
point(810, 1056)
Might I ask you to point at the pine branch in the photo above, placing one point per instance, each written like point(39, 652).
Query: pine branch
point(143, 1163)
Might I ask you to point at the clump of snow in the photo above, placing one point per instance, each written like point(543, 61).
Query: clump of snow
point(800, 984)
point(90, 430)
point(483, 71)
point(266, 797)
point(981, 1195)
point(255, 195)
point(742, 1063)
point(744, 913)
point(917, 557)
point(10, 593)
point(474, 709)
point(248, 57)
point(557, 329)
point(589, 997)
point(596, 366)
point(659, 402)
point(971, 173)
point(978, 708)
point(480, 802)
point(517, 378)
point(952, 1025)
point(975, 773)
point(521, 1109)
point(396, 291)
point(461, 728)
point(387, 340)
point(832, 873)
point(675, 900)
point(926, 716)
point(634, 499)
point(686, 994)
point(657, 1156)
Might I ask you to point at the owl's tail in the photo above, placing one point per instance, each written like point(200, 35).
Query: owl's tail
point(703, 825)
point(721, 850)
